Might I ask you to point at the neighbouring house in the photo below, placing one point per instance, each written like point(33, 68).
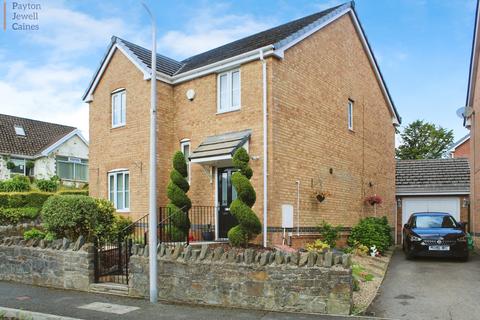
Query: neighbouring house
point(461, 148)
point(306, 99)
point(439, 185)
point(470, 121)
point(42, 150)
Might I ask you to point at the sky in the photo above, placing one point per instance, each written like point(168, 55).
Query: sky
point(422, 47)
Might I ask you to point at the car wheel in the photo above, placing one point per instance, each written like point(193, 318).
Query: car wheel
point(408, 253)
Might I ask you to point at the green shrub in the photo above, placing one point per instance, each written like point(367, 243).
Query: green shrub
point(78, 192)
point(329, 233)
point(179, 202)
point(18, 183)
point(47, 185)
point(23, 199)
point(16, 215)
point(71, 216)
point(241, 208)
point(372, 231)
point(33, 234)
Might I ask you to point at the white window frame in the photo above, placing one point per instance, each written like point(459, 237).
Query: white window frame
point(115, 174)
point(18, 161)
point(75, 161)
point(183, 144)
point(350, 115)
point(230, 107)
point(123, 107)
point(19, 131)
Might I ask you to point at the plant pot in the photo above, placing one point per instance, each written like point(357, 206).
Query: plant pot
point(208, 236)
point(320, 197)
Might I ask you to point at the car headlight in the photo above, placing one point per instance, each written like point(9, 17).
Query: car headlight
point(415, 238)
point(462, 239)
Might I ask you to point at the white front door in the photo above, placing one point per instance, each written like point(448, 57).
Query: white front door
point(449, 205)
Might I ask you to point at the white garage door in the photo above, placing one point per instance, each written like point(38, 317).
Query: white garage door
point(431, 204)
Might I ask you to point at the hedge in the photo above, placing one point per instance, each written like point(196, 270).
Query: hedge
point(74, 192)
point(23, 199)
point(32, 199)
point(16, 215)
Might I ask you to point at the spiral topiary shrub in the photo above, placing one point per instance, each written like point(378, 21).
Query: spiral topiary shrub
point(179, 203)
point(248, 223)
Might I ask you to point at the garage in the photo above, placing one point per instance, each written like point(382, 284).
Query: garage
point(440, 185)
point(430, 204)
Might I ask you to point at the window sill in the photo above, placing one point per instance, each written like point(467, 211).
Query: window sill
point(123, 211)
point(351, 130)
point(119, 126)
point(228, 111)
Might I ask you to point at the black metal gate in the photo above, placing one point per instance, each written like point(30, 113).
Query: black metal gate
point(111, 260)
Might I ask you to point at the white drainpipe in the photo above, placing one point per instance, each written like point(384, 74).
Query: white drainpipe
point(265, 141)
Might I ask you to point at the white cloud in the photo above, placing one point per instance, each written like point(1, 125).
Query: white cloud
point(209, 28)
point(49, 93)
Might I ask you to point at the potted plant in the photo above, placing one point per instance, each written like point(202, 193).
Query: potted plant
point(321, 195)
point(209, 234)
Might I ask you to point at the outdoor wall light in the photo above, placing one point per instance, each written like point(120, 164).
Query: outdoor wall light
point(399, 202)
point(465, 202)
point(190, 94)
point(255, 158)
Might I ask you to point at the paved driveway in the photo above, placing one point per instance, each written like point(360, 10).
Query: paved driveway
point(429, 289)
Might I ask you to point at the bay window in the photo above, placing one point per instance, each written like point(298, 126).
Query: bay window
point(71, 168)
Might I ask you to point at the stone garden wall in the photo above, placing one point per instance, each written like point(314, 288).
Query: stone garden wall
point(306, 282)
point(58, 264)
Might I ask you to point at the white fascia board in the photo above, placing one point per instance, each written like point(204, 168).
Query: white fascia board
point(445, 193)
point(13, 155)
point(223, 64)
point(211, 159)
point(118, 45)
point(65, 138)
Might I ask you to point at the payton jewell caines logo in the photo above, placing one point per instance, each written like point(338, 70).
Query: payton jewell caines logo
point(21, 16)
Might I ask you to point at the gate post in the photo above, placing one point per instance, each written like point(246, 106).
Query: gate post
point(95, 260)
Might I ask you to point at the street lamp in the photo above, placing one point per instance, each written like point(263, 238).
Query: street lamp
point(152, 217)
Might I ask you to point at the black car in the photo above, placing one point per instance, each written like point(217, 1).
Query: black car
point(434, 234)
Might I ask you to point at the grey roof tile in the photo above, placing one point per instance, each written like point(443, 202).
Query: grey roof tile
point(430, 176)
point(38, 135)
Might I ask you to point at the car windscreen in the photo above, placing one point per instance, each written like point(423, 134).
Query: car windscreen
point(434, 221)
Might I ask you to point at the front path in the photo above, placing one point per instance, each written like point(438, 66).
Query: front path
point(68, 303)
point(427, 289)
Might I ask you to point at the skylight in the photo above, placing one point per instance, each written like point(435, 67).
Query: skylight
point(19, 131)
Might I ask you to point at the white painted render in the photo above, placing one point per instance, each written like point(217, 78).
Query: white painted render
point(45, 166)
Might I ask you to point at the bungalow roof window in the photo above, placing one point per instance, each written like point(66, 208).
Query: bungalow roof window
point(19, 131)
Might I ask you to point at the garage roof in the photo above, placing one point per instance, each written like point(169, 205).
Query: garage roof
point(430, 177)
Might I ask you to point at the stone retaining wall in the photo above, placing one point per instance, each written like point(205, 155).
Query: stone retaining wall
point(306, 282)
point(58, 264)
point(16, 230)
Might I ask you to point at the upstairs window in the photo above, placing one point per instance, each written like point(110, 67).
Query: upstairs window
point(228, 91)
point(19, 131)
point(185, 147)
point(119, 190)
point(119, 108)
point(350, 114)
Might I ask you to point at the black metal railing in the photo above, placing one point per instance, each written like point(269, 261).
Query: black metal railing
point(111, 256)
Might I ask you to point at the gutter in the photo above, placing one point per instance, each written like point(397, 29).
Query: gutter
point(265, 146)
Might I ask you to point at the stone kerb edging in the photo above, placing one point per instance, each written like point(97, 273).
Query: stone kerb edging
point(187, 254)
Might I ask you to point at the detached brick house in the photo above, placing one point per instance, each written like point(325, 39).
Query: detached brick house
point(53, 149)
point(461, 148)
point(306, 99)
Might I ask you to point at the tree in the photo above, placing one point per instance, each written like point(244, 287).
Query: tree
point(179, 203)
point(248, 223)
point(424, 140)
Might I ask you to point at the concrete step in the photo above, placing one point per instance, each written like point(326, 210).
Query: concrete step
point(109, 288)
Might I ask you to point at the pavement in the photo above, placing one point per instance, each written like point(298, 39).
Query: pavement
point(84, 305)
point(429, 288)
